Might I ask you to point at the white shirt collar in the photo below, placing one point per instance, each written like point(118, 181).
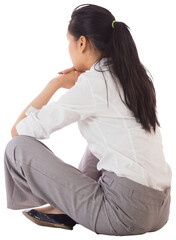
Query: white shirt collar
point(100, 65)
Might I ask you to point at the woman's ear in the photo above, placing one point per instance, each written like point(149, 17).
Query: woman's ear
point(82, 43)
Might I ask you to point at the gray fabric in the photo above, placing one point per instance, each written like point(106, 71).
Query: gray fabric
point(100, 201)
point(88, 165)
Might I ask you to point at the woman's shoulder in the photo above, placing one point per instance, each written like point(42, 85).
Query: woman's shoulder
point(89, 75)
point(96, 79)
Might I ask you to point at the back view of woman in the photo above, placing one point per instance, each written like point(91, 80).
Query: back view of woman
point(122, 185)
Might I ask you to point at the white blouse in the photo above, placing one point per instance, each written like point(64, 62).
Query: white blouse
point(112, 132)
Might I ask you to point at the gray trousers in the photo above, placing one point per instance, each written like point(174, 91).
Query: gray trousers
point(99, 200)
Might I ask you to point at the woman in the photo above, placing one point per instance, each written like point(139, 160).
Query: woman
point(122, 185)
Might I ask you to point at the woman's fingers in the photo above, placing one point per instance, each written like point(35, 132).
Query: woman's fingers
point(67, 70)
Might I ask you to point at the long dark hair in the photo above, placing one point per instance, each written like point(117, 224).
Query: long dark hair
point(116, 44)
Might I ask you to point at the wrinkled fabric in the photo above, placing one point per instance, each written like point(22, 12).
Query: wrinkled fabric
point(100, 201)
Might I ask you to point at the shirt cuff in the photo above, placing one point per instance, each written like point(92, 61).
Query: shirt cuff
point(27, 126)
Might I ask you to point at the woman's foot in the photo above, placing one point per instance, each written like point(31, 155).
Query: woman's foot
point(51, 217)
point(49, 210)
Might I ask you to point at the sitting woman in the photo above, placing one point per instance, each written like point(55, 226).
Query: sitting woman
point(122, 185)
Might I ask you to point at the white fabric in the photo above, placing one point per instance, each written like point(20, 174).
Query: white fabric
point(112, 132)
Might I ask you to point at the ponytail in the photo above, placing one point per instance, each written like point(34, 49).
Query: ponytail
point(139, 91)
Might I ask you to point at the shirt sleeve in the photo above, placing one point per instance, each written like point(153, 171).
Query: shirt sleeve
point(76, 104)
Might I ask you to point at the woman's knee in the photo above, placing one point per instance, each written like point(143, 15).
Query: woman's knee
point(17, 141)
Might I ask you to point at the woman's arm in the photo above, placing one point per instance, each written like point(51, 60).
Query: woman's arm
point(41, 100)
point(65, 81)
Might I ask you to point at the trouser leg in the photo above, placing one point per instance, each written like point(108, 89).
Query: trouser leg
point(18, 193)
point(88, 165)
point(36, 175)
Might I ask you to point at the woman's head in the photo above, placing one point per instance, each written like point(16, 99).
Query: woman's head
point(89, 32)
point(92, 37)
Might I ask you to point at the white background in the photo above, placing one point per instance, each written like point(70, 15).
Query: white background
point(33, 48)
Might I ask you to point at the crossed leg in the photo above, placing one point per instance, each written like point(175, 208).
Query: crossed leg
point(36, 176)
point(87, 166)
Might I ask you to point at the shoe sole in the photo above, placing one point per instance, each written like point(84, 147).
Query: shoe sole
point(46, 224)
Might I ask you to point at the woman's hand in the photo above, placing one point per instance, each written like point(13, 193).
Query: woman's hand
point(68, 78)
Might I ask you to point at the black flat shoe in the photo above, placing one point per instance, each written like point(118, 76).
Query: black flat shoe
point(50, 220)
